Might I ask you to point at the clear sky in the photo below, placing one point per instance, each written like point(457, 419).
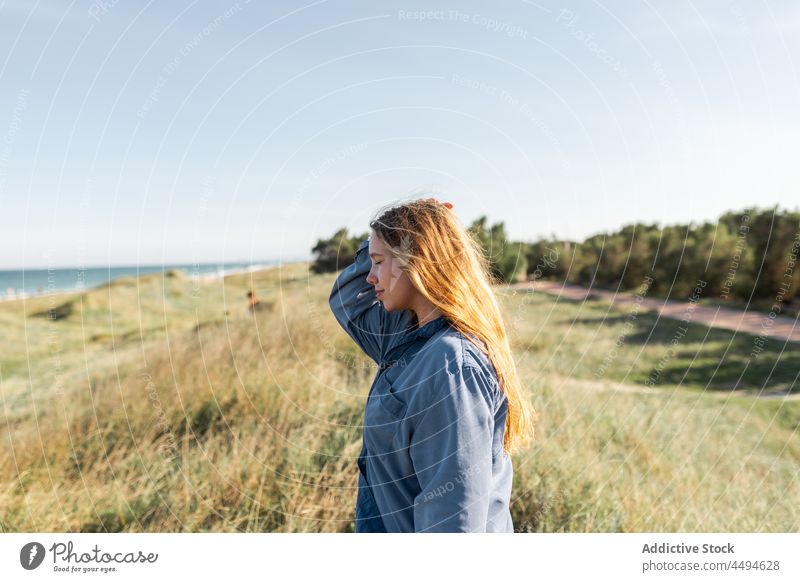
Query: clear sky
point(135, 132)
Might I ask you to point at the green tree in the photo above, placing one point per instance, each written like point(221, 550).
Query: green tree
point(507, 260)
point(336, 252)
point(549, 259)
point(773, 234)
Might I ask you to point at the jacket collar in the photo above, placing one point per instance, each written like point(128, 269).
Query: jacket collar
point(410, 333)
point(426, 331)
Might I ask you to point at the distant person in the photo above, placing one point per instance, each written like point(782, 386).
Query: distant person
point(446, 405)
point(254, 302)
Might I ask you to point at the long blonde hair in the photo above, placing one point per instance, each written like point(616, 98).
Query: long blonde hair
point(447, 265)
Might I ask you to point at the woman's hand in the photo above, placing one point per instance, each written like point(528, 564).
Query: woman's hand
point(448, 205)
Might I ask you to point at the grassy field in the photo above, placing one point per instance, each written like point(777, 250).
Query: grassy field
point(161, 404)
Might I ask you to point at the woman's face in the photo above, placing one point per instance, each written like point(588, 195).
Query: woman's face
point(393, 286)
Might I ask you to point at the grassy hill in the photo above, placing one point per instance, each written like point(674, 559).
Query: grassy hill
point(162, 404)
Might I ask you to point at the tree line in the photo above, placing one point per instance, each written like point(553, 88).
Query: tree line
point(750, 254)
point(507, 260)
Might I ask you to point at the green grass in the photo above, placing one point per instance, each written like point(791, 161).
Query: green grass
point(589, 340)
point(162, 404)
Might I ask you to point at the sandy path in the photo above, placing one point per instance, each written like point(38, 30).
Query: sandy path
point(779, 327)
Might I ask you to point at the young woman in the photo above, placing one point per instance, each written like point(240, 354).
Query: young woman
point(446, 406)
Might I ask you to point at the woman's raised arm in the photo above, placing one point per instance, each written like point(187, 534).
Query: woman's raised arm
point(358, 311)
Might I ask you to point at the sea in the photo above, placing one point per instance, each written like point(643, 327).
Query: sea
point(31, 282)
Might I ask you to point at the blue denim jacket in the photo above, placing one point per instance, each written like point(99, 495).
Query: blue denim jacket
point(432, 456)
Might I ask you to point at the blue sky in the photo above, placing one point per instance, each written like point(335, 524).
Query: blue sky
point(201, 132)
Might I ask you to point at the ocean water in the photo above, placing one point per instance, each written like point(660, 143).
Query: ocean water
point(30, 282)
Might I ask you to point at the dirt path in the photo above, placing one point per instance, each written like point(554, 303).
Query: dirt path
point(759, 324)
point(614, 386)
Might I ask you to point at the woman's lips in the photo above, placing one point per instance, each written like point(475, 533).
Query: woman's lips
point(379, 293)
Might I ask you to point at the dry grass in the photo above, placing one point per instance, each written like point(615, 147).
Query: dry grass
point(161, 404)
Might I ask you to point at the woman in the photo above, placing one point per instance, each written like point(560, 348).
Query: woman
point(446, 406)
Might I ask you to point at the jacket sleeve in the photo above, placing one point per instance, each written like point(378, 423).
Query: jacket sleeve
point(451, 449)
point(358, 311)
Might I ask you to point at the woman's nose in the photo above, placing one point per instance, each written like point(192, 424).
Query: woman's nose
point(372, 279)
